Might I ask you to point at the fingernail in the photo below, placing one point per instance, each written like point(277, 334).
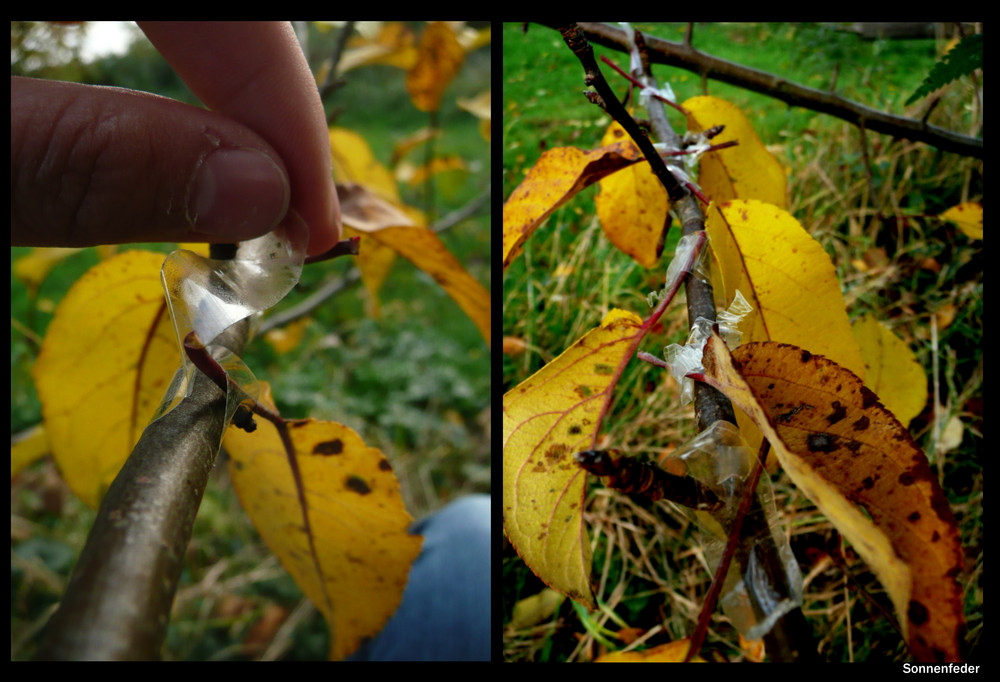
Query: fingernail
point(237, 194)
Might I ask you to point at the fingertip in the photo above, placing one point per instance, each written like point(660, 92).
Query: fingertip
point(323, 236)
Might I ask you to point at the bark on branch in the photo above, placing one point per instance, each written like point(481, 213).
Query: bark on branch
point(117, 603)
point(686, 57)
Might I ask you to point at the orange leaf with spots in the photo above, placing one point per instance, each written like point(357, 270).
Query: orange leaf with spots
point(843, 449)
point(547, 419)
point(555, 179)
point(348, 549)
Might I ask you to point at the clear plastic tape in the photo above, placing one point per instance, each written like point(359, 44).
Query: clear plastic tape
point(682, 254)
point(635, 62)
point(764, 581)
point(730, 319)
point(209, 296)
point(686, 359)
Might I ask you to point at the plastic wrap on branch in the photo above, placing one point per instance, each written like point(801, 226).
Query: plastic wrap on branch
point(678, 267)
point(686, 359)
point(755, 594)
point(648, 92)
point(207, 296)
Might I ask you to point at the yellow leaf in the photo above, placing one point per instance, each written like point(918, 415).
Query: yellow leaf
point(747, 171)
point(353, 161)
point(407, 144)
point(36, 266)
point(393, 46)
point(481, 107)
point(968, 217)
point(673, 652)
point(26, 447)
point(546, 419)
point(472, 39)
point(439, 57)
point(288, 337)
point(842, 449)
point(891, 370)
point(355, 565)
point(787, 278)
point(414, 175)
point(374, 260)
point(109, 354)
point(536, 608)
point(555, 179)
point(365, 212)
point(632, 206)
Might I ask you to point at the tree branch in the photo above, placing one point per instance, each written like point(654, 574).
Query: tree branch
point(686, 57)
point(117, 603)
point(577, 42)
point(790, 637)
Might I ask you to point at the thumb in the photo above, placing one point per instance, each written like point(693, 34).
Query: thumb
point(92, 165)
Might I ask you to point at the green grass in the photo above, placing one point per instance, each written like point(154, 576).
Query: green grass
point(414, 382)
point(911, 271)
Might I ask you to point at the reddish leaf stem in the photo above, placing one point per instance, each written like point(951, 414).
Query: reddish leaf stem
point(641, 334)
point(203, 360)
point(345, 247)
point(636, 83)
point(701, 629)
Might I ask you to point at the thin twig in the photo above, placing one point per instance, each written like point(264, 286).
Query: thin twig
point(735, 533)
point(684, 56)
point(576, 41)
point(118, 601)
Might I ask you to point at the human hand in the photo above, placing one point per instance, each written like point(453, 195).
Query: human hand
point(94, 165)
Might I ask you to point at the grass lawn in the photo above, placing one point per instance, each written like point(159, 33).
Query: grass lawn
point(921, 277)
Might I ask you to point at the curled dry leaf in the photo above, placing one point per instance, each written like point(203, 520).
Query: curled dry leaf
point(547, 419)
point(842, 448)
point(391, 227)
point(555, 179)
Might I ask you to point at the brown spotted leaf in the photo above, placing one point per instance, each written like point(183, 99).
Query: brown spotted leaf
point(547, 419)
point(555, 179)
point(843, 449)
point(348, 549)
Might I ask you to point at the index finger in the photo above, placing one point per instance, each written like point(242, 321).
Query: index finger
point(256, 74)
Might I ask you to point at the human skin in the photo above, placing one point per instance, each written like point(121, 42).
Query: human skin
point(94, 165)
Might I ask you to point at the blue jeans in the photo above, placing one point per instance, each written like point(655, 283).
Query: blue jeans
point(445, 612)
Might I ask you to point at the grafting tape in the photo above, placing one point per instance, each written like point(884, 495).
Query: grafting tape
point(208, 296)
